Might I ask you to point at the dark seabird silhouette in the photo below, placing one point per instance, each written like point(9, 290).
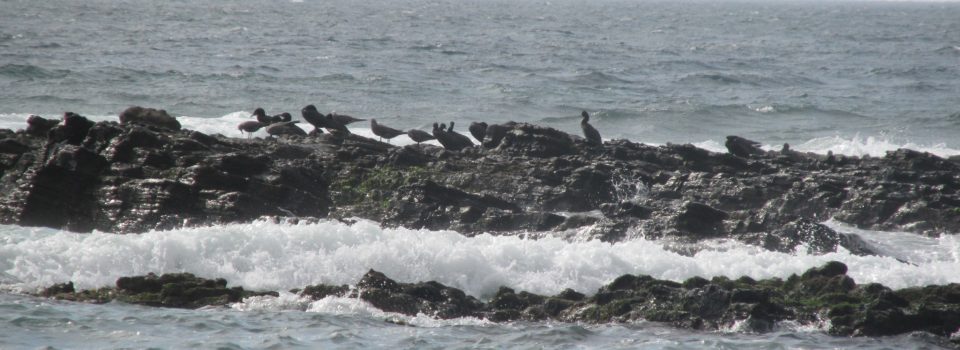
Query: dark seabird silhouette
point(285, 128)
point(332, 124)
point(262, 116)
point(383, 131)
point(440, 135)
point(419, 136)
point(250, 126)
point(343, 118)
point(462, 139)
point(591, 133)
point(478, 130)
point(739, 146)
point(314, 117)
point(450, 139)
point(283, 117)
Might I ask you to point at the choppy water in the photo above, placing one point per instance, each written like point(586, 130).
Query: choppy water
point(850, 77)
point(651, 71)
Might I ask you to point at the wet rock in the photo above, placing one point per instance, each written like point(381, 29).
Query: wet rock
point(58, 289)
point(38, 126)
point(820, 294)
point(149, 116)
point(72, 131)
point(144, 174)
point(700, 219)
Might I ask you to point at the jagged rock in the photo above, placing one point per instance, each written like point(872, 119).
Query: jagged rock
point(700, 219)
point(139, 176)
point(38, 126)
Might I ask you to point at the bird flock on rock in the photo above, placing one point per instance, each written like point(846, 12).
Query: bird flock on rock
point(283, 124)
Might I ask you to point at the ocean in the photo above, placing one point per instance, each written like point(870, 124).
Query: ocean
point(851, 77)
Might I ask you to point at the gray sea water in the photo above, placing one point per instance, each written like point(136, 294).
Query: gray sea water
point(855, 77)
point(650, 71)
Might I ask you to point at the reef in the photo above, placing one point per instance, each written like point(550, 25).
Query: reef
point(822, 297)
point(147, 173)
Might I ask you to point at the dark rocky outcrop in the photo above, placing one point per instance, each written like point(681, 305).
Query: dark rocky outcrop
point(821, 294)
point(179, 290)
point(148, 174)
point(149, 116)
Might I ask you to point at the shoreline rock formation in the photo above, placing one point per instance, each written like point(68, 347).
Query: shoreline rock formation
point(137, 176)
point(821, 296)
point(148, 174)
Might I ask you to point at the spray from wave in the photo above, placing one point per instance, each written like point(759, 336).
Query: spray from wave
point(268, 256)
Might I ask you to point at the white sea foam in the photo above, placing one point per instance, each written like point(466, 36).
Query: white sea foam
point(870, 145)
point(855, 145)
point(263, 255)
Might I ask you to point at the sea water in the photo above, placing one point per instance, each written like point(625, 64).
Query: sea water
point(856, 78)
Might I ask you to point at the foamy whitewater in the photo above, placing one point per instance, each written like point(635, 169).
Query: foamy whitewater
point(857, 78)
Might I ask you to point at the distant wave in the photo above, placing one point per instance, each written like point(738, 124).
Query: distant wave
point(27, 71)
point(949, 50)
point(595, 77)
point(748, 79)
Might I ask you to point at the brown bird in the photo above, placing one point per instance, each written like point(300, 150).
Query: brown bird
point(314, 117)
point(262, 116)
point(343, 118)
point(250, 126)
point(383, 131)
point(285, 128)
point(419, 136)
point(333, 124)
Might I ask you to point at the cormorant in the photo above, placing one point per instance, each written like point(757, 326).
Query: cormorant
point(591, 133)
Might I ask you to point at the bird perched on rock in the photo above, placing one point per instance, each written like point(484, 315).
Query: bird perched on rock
point(450, 139)
point(739, 146)
point(262, 116)
point(285, 128)
point(478, 130)
point(343, 119)
point(314, 117)
point(591, 133)
point(282, 117)
point(250, 126)
point(463, 140)
point(419, 136)
point(383, 131)
point(332, 124)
